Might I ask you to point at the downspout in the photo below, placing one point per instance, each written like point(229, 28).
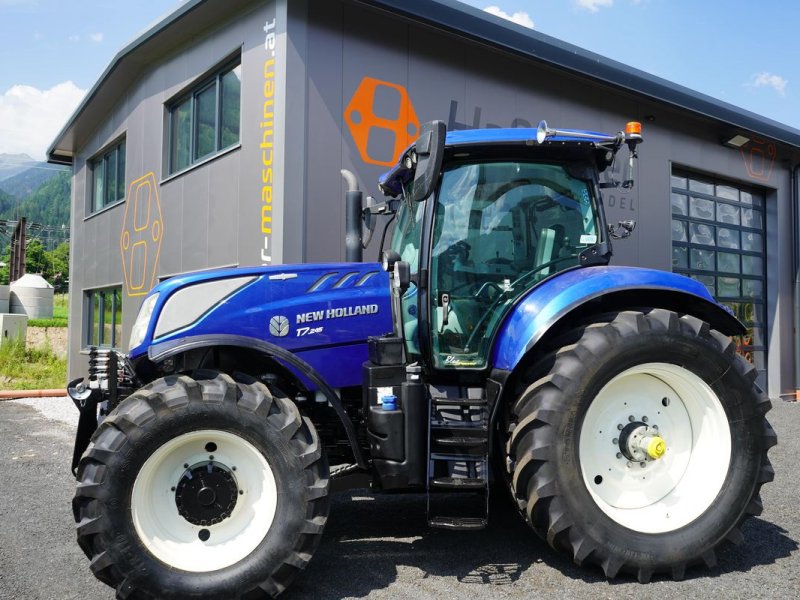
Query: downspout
point(795, 199)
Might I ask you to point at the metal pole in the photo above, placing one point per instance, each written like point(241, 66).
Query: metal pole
point(795, 202)
point(353, 247)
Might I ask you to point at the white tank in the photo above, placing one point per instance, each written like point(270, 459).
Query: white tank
point(4, 292)
point(31, 295)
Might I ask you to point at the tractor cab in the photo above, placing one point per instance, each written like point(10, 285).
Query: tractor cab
point(482, 218)
point(493, 213)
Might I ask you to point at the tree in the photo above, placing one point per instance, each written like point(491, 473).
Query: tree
point(59, 260)
point(5, 260)
point(36, 258)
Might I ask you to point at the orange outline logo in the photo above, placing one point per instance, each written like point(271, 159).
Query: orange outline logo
point(140, 239)
point(362, 120)
point(759, 158)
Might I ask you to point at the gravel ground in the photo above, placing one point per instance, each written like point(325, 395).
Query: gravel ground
point(380, 547)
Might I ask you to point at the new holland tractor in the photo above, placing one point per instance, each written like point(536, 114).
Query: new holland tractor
point(493, 348)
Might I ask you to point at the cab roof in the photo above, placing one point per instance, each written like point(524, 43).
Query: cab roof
point(519, 135)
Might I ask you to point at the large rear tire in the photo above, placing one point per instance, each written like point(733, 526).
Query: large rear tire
point(201, 485)
point(641, 445)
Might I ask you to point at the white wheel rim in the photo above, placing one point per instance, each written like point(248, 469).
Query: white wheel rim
point(671, 491)
point(174, 540)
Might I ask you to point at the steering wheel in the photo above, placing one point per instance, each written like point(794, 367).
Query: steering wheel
point(483, 286)
point(504, 295)
point(541, 267)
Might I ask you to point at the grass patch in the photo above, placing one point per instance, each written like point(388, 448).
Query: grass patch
point(22, 368)
point(54, 322)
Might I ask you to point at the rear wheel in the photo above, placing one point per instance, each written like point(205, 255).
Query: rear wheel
point(642, 446)
point(201, 484)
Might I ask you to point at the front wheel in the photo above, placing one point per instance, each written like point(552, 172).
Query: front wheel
point(204, 485)
point(642, 446)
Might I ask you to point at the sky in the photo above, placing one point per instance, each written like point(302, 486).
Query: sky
point(740, 51)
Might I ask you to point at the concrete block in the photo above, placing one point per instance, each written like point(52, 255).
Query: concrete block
point(13, 326)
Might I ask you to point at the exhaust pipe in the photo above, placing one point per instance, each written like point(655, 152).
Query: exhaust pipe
point(353, 248)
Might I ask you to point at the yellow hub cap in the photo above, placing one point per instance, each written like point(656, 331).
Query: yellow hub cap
point(656, 447)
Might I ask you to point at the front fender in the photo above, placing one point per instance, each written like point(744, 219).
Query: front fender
point(549, 303)
point(164, 350)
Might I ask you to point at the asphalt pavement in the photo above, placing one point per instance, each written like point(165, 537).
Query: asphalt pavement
point(379, 547)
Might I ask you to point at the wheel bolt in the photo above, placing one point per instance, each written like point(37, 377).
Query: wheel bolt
point(620, 427)
point(619, 454)
point(211, 457)
point(643, 464)
point(173, 488)
point(241, 492)
point(615, 441)
point(631, 418)
point(644, 419)
point(233, 468)
point(185, 465)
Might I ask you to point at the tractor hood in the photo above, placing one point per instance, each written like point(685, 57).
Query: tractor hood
point(297, 307)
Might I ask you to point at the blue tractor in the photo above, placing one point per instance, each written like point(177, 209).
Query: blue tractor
point(493, 349)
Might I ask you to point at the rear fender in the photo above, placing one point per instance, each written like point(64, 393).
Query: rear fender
point(564, 299)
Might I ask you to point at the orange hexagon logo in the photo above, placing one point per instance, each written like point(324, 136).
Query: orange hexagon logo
point(759, 158)
point(142, 232)
point(380, 111)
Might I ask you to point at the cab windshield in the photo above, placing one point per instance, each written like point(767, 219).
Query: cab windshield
point(500, 228)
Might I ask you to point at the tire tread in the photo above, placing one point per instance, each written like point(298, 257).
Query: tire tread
point(163, 397)
point(531, 439)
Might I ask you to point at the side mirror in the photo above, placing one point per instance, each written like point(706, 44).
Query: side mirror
point(429, 151)
point(622, 230)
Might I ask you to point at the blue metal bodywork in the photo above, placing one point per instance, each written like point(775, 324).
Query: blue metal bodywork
point(328, 310)
point(531, 318)
point(318, 303)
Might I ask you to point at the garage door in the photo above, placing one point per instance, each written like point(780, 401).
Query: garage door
point(718, 236)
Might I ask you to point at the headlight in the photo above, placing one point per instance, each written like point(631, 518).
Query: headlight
point(142, 321)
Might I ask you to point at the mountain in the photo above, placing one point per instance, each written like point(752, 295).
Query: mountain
point(7, 202)
point(49, 204)
point(13, 164)
point(23, 184)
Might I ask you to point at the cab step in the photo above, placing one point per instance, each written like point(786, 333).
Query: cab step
point(458, 461)
point(458, 523)
point(458, 483)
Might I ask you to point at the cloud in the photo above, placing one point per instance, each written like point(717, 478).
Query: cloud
point(96, 37)
point(764, 79)
point(594, 5)
point(32, 117)
point(520, 18)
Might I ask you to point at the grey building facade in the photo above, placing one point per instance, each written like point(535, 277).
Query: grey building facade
point(217, 137)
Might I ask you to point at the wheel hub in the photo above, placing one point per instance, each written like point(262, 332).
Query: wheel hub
point(206, 493)
point(640, 442)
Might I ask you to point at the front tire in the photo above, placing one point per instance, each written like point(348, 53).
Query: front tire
point(642, 446)
point(201, 485)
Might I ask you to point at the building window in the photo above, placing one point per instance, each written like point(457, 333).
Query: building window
point(108, 177)
point(205, 121)
point(104, 323)
point(718, 238)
